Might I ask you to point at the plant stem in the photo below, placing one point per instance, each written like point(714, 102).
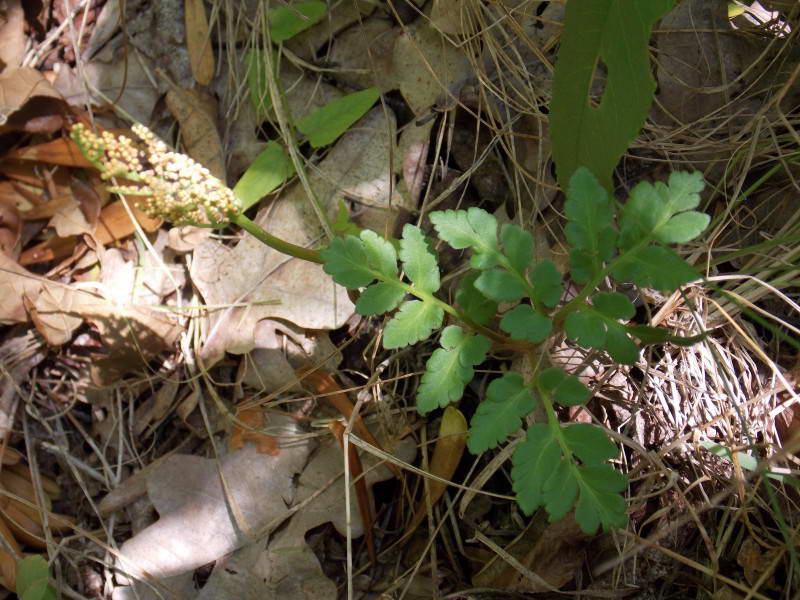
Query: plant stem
point(274, 242)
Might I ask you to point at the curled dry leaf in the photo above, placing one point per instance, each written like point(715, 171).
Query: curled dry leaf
point(28, 102)
point(198, 42)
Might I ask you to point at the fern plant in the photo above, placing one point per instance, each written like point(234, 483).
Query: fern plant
point(557, 466)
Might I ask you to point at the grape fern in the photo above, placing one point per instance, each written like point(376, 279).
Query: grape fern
point(560, 467)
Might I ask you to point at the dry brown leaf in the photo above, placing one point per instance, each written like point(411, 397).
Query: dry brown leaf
point(61, 151)
point(364, 54)
point(427, 66)
point(114, 224)
point(357, 167)
point(340, 15)
point(10, 229)
point(245, 429)
point(195, 525)
point(196, 112)
point(198, 42)
point(17, 283)
point(8, 570)
point(17, 88)
point(12, 32)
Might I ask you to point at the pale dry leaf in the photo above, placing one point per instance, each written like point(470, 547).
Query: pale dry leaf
point(17, 283)
point(70, 220)
point(357, 167)
point(198, 42)
point(363, 54)
point(340, 15)
point(196, 525)
point(12, 32)
point(17, 86)
point(451, 17)
point(427, 66)
point(196, 111)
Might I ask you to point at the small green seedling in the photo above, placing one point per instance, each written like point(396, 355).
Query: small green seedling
point(559, 467)
point(33, 579)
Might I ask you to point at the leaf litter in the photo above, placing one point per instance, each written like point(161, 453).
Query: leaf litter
point(116, 300)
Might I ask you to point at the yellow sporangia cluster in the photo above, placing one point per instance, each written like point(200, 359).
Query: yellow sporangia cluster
point(173, 186)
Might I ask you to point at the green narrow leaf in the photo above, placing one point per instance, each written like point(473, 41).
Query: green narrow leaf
point(257, 80)
point(419, 263)
point(325, 124)
point(614, 33)
point(500, 285)
point(546, 279)
point(285, 22)
point(449, 369)
point(517, 246)
point(269, 170)
point(588, 230)
point(475, 305)
point(524, 323)
point(379, 298)
point(565, 389)
point(508, 401)
point(414, 321)
point(475, 229)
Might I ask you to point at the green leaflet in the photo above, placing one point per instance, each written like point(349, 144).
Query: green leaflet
point(474, 229)
point(596, 326)
point(524, 323)
point(614, 33)
point(326, 124)
point(517, 246)
point(356, 262)
point(542, 476)
point(588, 229)
point(380, 298)
point(565, 389)
point(655, 267)
point(475, 305)
point(500, 285)
point(269, 170)
point(546, 279)
point(449, 369)
point(33, 581)
point(507, 402)
point(414, 321)
point(419, 263)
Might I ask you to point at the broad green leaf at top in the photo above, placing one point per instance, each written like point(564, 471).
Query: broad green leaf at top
point(269, 170)
point(326, 124)
point(507, 402)
point(355, 262)
point(414, 321)
point(613, 33)
point(285, 22)
point(419, 263)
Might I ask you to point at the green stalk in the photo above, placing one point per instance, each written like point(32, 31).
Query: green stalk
point(274, 242)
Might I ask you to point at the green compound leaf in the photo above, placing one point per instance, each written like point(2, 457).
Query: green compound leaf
point(270, 169)
point(356, 262)
point(565, 389)
point(286, 22)
point(326, 124)
point(517, 246)
point(597, 327)
point(507, 402)
point(546, 279)
point(414, 321)
point(380, 298)
point(419, 263)
point(615, 33)
point(500, 285)
point(589, 443)
point(542, 476)
point(449, 369)
point(656, 267)
point(475, 305)
point(475, 229)
point(524, 323)
point(588, 230)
